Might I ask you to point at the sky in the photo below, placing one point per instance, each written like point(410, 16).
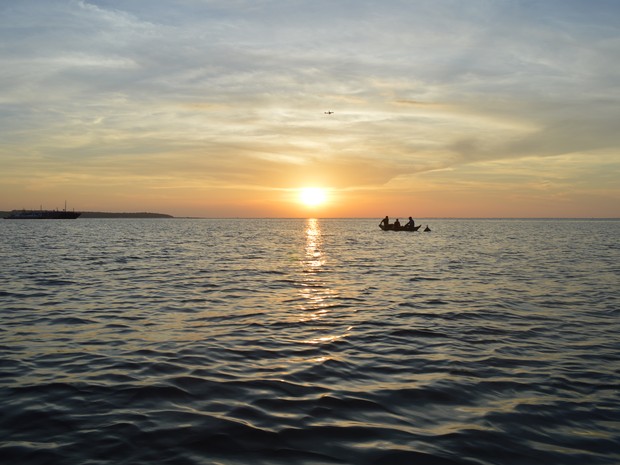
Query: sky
point(216, 108)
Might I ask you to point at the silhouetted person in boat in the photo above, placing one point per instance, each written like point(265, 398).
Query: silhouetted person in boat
point(427, 229)
point(396, 225)
point(385, 222)
point(410, 224)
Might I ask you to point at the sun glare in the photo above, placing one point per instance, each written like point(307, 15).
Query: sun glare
point(312, 196)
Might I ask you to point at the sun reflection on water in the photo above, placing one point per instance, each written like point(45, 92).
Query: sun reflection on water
point(314, 290)
point(314, 256)
point(317, 296)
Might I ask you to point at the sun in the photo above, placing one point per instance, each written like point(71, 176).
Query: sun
point(312, 196)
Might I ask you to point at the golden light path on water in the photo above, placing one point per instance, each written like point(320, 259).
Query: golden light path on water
point(315, 290)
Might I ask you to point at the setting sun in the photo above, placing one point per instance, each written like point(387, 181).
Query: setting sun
point(312, 196)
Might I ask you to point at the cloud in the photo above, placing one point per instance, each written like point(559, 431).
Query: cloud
point(233, 93)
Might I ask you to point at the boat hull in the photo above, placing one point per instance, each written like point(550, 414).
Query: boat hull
point(390, 227)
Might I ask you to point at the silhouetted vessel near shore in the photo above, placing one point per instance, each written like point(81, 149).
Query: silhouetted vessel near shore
point(42, 215)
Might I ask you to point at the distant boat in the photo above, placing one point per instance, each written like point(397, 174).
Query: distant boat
point(42, 215)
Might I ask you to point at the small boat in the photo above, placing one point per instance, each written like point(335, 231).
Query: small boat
point(390, 227)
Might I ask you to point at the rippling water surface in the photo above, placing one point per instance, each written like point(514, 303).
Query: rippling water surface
point(309, 342)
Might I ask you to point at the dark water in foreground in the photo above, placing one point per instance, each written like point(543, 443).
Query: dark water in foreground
point(309, 342)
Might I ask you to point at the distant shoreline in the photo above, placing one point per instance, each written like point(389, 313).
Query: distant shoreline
point(124, 215)
point(112, 215)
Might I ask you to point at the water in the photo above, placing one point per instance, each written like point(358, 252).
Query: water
point(309, 342)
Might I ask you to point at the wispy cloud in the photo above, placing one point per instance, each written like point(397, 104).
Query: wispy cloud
point(232, 93)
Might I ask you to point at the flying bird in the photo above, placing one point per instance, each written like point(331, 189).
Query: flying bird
point(328, 112)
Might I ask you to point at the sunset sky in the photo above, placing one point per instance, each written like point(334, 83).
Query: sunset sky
point(216, 108)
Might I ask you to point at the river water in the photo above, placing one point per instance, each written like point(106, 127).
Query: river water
point(267, 341)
